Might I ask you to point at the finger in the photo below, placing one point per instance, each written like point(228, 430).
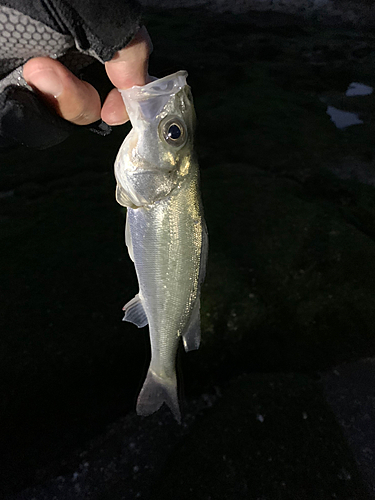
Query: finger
point(73, 99)
point(129, 66)
point(113, 110)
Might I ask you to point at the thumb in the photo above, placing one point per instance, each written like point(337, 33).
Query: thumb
point(129, 66)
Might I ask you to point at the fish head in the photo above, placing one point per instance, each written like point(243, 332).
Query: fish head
point(163, 119)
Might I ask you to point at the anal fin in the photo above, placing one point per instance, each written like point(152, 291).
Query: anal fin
point(192, 336)
point(135, 313)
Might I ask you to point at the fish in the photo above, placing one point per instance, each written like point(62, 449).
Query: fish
point(157, 180)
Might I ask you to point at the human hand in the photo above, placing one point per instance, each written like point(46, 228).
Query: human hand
point(76, 100)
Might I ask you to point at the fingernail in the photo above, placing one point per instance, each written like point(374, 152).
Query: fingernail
point(47, 82)
point(114, 124)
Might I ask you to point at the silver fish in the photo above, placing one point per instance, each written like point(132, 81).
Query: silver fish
point(158, 181)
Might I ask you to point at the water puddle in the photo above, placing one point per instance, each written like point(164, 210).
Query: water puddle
point(343, 119)
point(356, 88)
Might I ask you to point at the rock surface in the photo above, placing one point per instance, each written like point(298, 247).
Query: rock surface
point(357, 12)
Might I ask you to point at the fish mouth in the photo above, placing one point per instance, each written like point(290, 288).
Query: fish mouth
point(166, 86)
point(147, 101)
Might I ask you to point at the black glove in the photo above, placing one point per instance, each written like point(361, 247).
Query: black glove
point(76, 32)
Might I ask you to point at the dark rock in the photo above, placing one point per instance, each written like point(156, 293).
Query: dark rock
point(362, 52)
point(270, 436)
point(31, 190)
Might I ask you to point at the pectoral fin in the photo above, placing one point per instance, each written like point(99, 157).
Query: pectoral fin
point(135, 313)
point(192, 336)
point(122, 198)
point(128, 238)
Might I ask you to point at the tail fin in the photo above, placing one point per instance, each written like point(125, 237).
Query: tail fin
point(155, 392)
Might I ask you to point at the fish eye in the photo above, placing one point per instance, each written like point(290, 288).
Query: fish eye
point(173, 131)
